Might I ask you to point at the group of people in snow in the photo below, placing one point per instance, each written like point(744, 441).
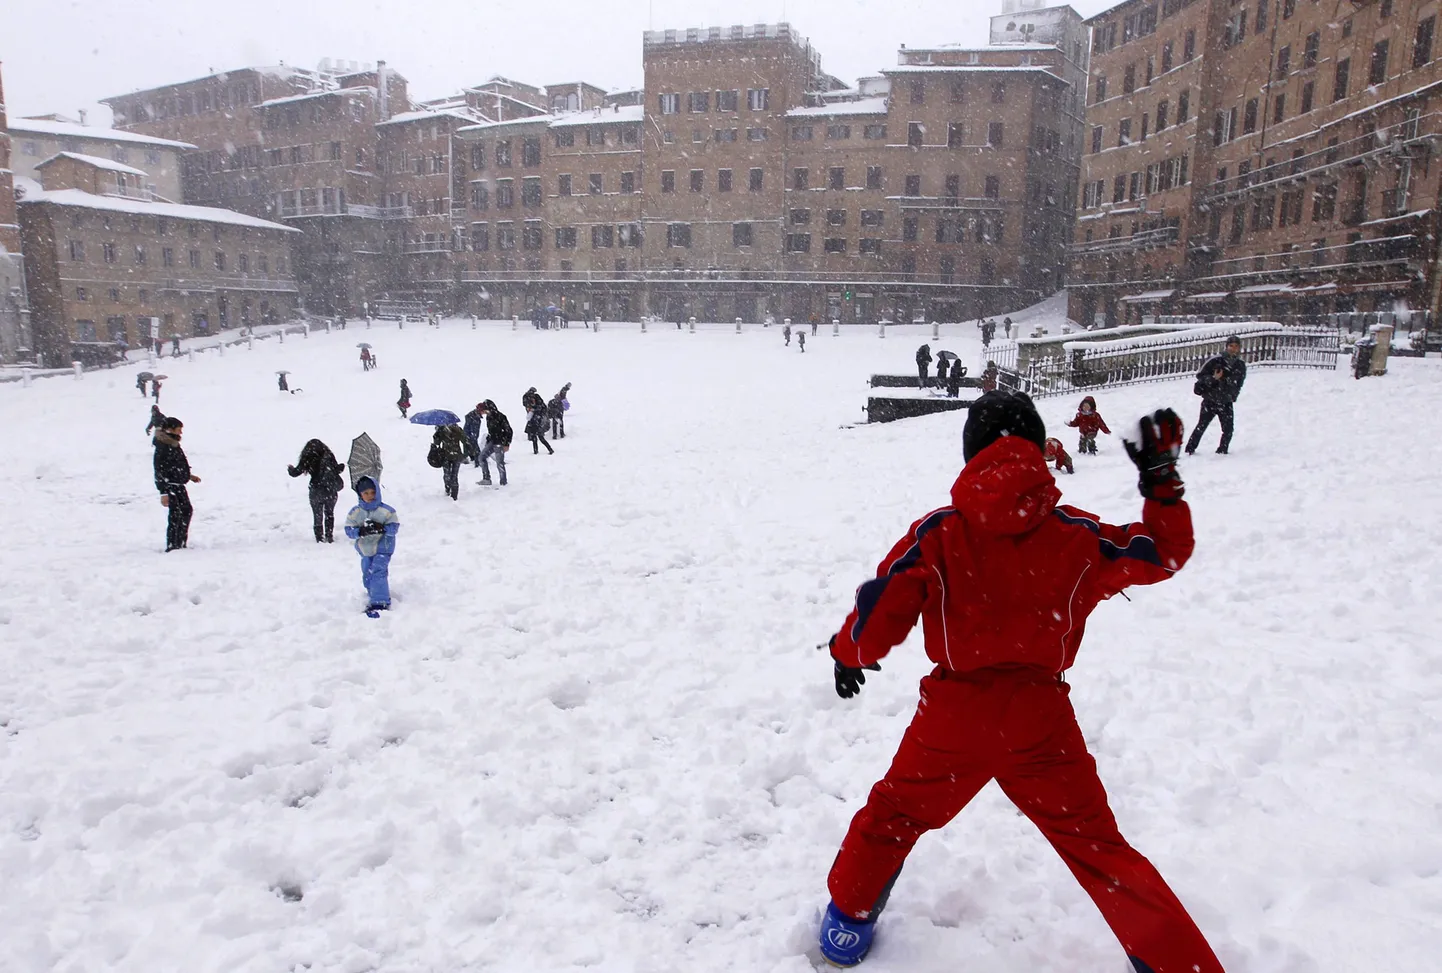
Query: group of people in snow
point(949, 371)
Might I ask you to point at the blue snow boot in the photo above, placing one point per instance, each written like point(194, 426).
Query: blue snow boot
point(844, 941)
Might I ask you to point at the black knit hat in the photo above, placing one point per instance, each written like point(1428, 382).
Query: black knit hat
point(171, 423)
point(1001, 413)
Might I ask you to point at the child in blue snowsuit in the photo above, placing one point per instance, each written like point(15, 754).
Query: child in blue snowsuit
point(373, 525)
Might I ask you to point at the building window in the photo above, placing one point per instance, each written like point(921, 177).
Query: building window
point(1422, 42)
point(834, 244)
point(530, 154)
point(725, 134)
point(220, 260)
point(480, 196)
point(1097, 139)
point(727, 100)
point(565, 238)
point(836, 177)
point(958, 92)
point(838, 131)
point(194, 260)
point(563, 185)
point(800, 217)
point(77, 251)
point(870, 245)
point(801, 133)
point(873, 177)
point(993, 187)
point(1308, 90)
point(836, 217)
point(758, 99)
point(998, 92)
point(1184, 107)
point(1189, 45)
point(723, 180)
point(1166, 57)
point(1289, 7)
point(670, 104)
point(1340, 80)
point(872, 217)
point(915, 134)
point(678, 234)
point(798, 243)
point(913, 185)
point(755, 183)
point(1284, 62)
point(242, 263)
point(1377, 74)
point(1162, 109)
point(1124, 132)
point(167, 257)
point(602, 237)
point(955, 135)
point(564, 137)
point(503, 153)
point(531, 235)
point(505, 194)
point(1279, 109)
point(1100, 91)
point(1311, 51)
point(757, 134)
point(800, 178)
point(698, 180)
point(918, 91)
point(994, 134)
point(628, 183)
point(1249, 117)
point(909, 229)
point(741, 235)
point(668, 181)
point(1324, 203)
point(505, 236)
point(531, 192)
point(1119, 188)
point(698, 101)
point(874, 132)
point(81, 294)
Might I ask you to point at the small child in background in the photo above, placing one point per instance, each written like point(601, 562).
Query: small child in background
point(1055, 452)
point(373, 525)
point(1087, 422)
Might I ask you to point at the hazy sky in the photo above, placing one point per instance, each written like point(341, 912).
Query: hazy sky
point(62, 55)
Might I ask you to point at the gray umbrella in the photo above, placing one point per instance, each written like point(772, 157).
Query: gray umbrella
point(146, 376)
point(363, 344)
point(282, 372)
point(365, 459)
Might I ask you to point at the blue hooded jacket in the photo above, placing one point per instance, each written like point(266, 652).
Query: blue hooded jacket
point(372, 512)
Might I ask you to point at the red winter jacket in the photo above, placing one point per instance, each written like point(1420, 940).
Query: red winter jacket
point(1004, 576)
point(1089, 423)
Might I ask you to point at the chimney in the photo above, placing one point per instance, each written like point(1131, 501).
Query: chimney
point(382, 93)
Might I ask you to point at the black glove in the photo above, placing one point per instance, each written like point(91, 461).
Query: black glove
point(1156, 457)
point(849, 681)
point(371, 527)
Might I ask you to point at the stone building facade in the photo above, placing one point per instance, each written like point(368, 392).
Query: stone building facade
point(14, 306)
point(36, 139)
point(103, 264)
point(1293, 180)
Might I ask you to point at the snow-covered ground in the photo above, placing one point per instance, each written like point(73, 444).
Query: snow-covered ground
point(595, 731)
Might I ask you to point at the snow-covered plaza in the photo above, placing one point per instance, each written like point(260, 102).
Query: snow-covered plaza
point(595, 731)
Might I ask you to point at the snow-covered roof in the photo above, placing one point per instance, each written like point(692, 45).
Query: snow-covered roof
point(136, 207)
point(980, 68)
point(985, 49)
point(96, 161)
point(1146, 297)
point(34, 126)
point(292, 99)
point(509, 122)
point(626, 113)
point(431, 113)
point(866, 106)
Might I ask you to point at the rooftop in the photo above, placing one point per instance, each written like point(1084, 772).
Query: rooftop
point(135, 207)
point(865, 106)
point(95, 161)
point(424, 114)
point(292, 99)
point(625, 113)
point(35, 126)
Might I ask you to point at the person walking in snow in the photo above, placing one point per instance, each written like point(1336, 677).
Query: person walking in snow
point(536, 430)
point(157, 420)
point(172, 477)
point(989, 377)
point(988, 331)
point(1219, 383)
point(943, 370)
point(280, 380)
point(1006, 323)
point(953, 381)
point(373, 525)
point(174, 345)
point(923, 364)
point(155, 388)
point(140, 384)
point(1052, 451)
point(1088, 422)
point(404, 402)
point(319, 463)
point(801, 339)
point(472, 428)
point(786, 333)
point(365, 357)
point(498, 442)
point(556, 411)
point(1003, 579)
point(159, 347)
point(449, 447)
point(531, 400)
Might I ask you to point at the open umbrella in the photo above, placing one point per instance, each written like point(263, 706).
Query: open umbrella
point(436, 417)
point(145, 376)
point(364, 344)
point(365, 459)
point(160, 377)
point(282, 372)
point(947, 356)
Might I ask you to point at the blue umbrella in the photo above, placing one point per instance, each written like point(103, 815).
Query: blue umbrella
point(436, 417)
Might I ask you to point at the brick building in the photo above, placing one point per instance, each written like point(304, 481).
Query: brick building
point(14, 307)
point(37, 139)
point(103, 261)
point(1266, 158)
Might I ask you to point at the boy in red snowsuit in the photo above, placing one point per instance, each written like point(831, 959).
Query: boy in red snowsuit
point(1003, 579)
point(1052, 451)
point(1087, 422)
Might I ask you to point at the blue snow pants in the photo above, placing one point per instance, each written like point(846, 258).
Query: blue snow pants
point(375, 575)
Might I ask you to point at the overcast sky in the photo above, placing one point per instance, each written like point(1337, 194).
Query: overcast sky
point(62, 55)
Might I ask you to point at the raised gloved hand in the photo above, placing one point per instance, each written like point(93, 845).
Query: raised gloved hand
point(1156, 456)
point(849, 681)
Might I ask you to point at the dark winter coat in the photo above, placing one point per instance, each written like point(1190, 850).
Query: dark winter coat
point(923, 355)
point(472, 428)
point(172, 469)
point(319, 463)
point(556, 407)
point(1225, 390)
point(532, 400)
point(498, 428)
point(453, 444)
point(1088, 423)
point(405, 399)
point(157, 418)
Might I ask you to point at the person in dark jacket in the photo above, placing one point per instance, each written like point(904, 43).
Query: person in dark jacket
point(404, 402)
point(174, 345)
point(923, 364)
point(319, 463)
point(531, 400)
point(280, 381)
point(155, 389)
point(1002, 579)
point(953, 381)
point(157, 420)
point(942, 371)
point(1219, 383)
point(172, 476)
point(449, 446)
point(556, 411)
point(536, 430)
point(498, 442)
point(140, 384)
point(786, 333)
point(474, 420)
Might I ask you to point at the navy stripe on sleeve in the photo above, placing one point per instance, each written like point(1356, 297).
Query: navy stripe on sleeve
point(869, 594)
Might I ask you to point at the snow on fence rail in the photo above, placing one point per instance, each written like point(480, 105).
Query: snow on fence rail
point(1158, 357)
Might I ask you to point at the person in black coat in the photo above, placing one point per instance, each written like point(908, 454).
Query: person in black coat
point(953, 381)
point(472, 428)
point(172, 476)
point(157, 420)
point(498, 441)
point(317, 461)
point(923, 363)
point(449, 446)
point(556, 412)
point(1219, 383)
point(536, 430)
point(531, 400)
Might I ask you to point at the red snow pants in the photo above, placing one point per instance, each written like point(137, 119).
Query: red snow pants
point(1015, 726)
